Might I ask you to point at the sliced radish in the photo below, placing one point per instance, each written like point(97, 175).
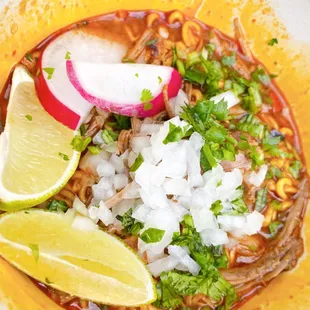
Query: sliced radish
point(56, 93)
point(118, 87)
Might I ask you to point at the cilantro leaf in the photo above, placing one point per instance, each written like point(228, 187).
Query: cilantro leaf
point(274, 227)
point(152, 235)
point(123, 121)
point(253, 101)
point(159, 80)
point(68, 56)
point(146, 95)
point(260, 76)
point(29, 57)
point(138, 162)
point(82, 130)
point(29, 117)
point(80, 144)
point(295, 169)
point(273, 41)
point(57, 205)
point(151, 42)
point(252, 125)
point(229, 60)
point(49, 71)
point(35, 251)
point(63, 156)
point(261, 199)
point(130, 225)
point(176, 133)
point(137, 75)
point(48, 281)
point(216, 207)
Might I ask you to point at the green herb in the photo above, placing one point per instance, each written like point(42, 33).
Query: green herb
point(82, 129)
point(38, 72)
point(295, 169)
point(35, 251)
point(68, 55)
point(128, 60)
point(192, 59)
point(57, 205)
point(176, 133)
point(63, 156)
point(138, 162)
point(174, 285)
point(151, 42)
point(273, 76)
point(257, 156)
point(159, 80)
point(229, 60)
point(28, 56)
point(26, 212)
point(152, 235)
point(239, 206)
point(210, 47)
point(48, 281)
point(95, 150)
point(109, 136)
point(180, 66)
point(123, 122)
point(275, 204)
point(273, 41)
point(216, 207)
point(137, 75)
point(274, 227)
point(146, 96)
point(275, 172)
point(195, 76)
point(261, 199)
point(147, 106)
point(79, 143)
point(49, 71)
point(130, 225)
point(252, 125)
point(261, 76)
point(29, 117)
point(253, 101)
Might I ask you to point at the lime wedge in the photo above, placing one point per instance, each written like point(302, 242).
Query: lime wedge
point(90, 264)
point(36, 158)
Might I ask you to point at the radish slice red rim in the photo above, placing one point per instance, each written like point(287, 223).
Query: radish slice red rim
point(55, 91)
point(127, 89)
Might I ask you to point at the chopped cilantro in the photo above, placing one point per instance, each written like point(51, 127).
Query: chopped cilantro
point(176, 133)
point(192, 59)
point(147, 106)
point(137, 75)
point(195, 76)
point(138, 162)
point(274, 227)
point(79, 143)
point(49, 71)
point(95, 150)
point(38, 72)
point(159, 80)
point(261, 76)
point(216, 207)
point(252, 125)
point(253, 101)
point(128, 60)
point(273, 41)
point(261, 199)
point(63, 156)
point(130, 225)
point(48, 281)
point(295, 169)
point(151, 42)
point(82, 129)
point(29, 117)
point(57, 205)
point(68, 55)
point(146, 95)
point(275, 204)
point(180, 66)
point(35, 251)
point(123, 121)
point(29, 57)
point(229, 60)
point(109, 136)
point(152, 235)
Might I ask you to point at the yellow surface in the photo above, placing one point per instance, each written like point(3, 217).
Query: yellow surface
point(18, 292)
point(90, 264)
point(23, 25)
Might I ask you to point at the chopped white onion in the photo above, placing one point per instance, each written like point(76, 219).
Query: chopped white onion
point(139, 143)
point(79, 206)
point(84, 223)
point(141, 213)
point(149, 129)
point(176, 187)
point(97, 139)
point(203, 219)
point(214, 237)
point(120, 181)
point(257, 178)
point(105, 169)
point(164, 264)
point(228, 96)
point(118, 163)
point(105, 214)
